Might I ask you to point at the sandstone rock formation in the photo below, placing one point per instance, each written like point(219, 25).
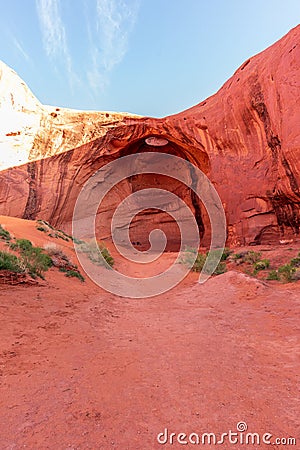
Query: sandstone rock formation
point(245, 138)
point(30, 131)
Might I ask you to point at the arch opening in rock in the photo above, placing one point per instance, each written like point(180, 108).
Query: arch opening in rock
point(153, 218)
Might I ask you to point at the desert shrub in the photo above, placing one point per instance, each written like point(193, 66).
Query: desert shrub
point(11, 262)
point(295, 262)
point(22, 245)
point(221, 268)
point(52, 232)
point(226, 253)
point(71, 273)
point(273, 275)
point(198, 265)
point(64, 235)
point(74, 274)
point(58, 257)
point(34, 260)
point(4, 234)
point(252, 257)
point(93, 251)
point(53, 250)
point(40, 228)
point(199, 262)
point(77, 241)
point(59, 235)
point(211, 262)
point(107, 256)
point(250, 272)
point(261, 265)
point(220, 253)
point(286, 272)
point(44, 222)
point(189, 258)
point(296, 275)
point(46, 227)
point(237, 256)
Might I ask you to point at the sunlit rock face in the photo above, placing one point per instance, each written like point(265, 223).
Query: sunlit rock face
point(245, 138)
point(31, 131)
point(20, 116)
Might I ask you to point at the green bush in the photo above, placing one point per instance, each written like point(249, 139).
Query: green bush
point(273, 275)
point(106, 255)
point(93, 252)
point(11, 262)
point(194, 260)
point(214, 256)
point(296, 275)
point(261, 265)
point(295, 262)
point(52, 232)
point(226, 253)
point(237, 256)
point(47, 224)
point(220, 253)
point(77, 241)
point(63, 236)
point(40, 228)
point(4, 234)
point(286, 272)
point(198, 265)
point(221, 268)
point(35, 261)
point(199, 262)
point(75, 274)
point(22, 245)
point(71, 273)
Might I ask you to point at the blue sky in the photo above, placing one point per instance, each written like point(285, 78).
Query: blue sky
point(150, 57)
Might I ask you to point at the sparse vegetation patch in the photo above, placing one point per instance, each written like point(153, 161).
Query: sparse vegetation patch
point(34, 260)
point(4, 234)
point(10, 262)
point(97, 252)
point(201, 258)
point(72, 273)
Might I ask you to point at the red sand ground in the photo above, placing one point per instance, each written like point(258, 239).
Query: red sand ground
point(83, 369)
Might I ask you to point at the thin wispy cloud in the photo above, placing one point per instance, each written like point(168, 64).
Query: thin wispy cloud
point(54, 34)
point(108, 26)
point(20, 47)
point(109, 38)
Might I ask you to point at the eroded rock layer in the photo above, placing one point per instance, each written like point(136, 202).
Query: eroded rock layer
point(245, 138)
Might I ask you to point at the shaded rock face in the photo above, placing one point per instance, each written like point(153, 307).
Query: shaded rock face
point(245, 138)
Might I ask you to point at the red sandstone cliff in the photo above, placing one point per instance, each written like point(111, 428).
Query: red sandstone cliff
point(245, 138)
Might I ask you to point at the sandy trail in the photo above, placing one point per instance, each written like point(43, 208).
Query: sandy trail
point(82, 369)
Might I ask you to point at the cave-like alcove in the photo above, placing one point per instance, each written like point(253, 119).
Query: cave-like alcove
point(152, 218)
